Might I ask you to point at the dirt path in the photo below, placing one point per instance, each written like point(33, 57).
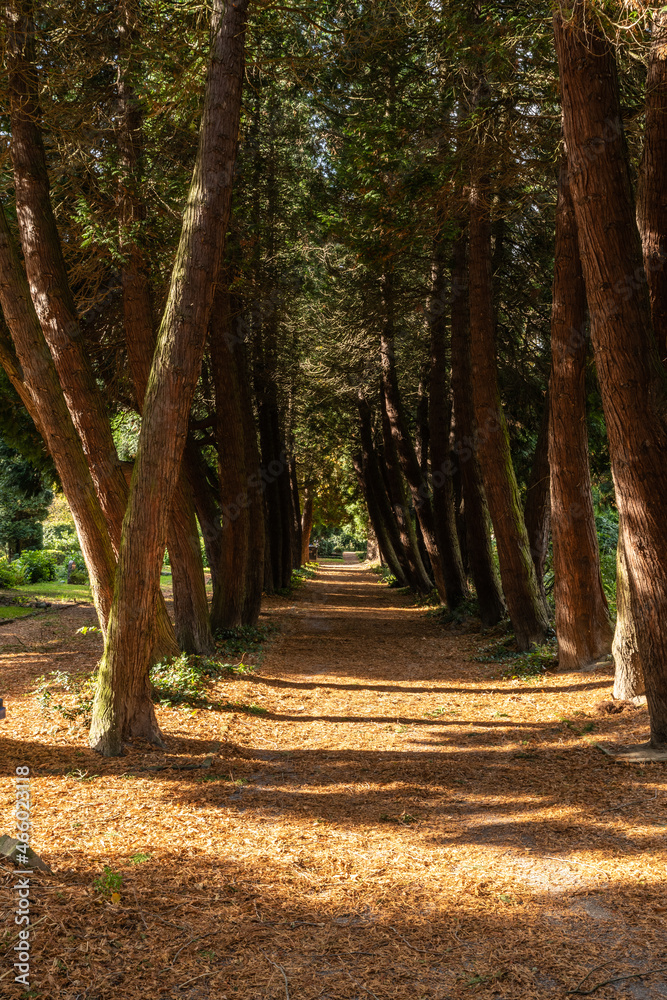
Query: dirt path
point(377, 814)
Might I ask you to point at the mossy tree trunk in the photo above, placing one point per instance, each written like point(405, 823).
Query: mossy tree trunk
point(123, 707)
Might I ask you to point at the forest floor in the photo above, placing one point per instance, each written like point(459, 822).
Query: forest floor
point(372, 813)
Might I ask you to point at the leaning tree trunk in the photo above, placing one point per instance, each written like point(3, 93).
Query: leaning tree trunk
point(583, 626)
point(652, 190)
point(51, 293)
point(191, 614)
point(123, 705)
point(369, 490)
point(632, 379)
point(33, 375)
point(537, 509)
point(440, 415)
point(524, 602)
point(480, 553)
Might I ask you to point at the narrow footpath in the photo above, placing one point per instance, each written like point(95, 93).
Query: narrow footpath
point(373, 813)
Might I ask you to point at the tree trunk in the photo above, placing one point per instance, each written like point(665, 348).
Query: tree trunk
point(307, 521)
point(583, 627)
point(123, 705)
point(203, 486)
point(51, 294)
point(419, 488)
point(537, 509)
point(628, 674)
point(255, 484)
point(480, 551)
point(632, 379)
point(34, 376)
point(440, 415)
point(229, 593)
point(191, 614)
point(398, 498)
point(652, 190)
point(524, 601)
point(296, 514)
point(381, 513)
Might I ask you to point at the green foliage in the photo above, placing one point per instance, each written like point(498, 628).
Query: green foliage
point(12, 574)
point(109, 882)
point(24, 501)
point(38, 566)
point(333, 542)
point(243, 640)
point(185, 679)
point(69, 696)
point(520, 665)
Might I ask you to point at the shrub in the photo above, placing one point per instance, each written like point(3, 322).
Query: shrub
point(61, 537)
point(11, 573)
point(38, 566)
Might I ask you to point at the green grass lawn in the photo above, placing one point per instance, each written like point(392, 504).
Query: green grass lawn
point(14, 612)
point(54, 591)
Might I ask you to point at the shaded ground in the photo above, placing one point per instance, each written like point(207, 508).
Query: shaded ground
point(398, 822)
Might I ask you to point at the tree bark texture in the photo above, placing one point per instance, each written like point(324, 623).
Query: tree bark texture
point(440, 416)
point(632, 378)
point(517, 571)
point(419, 488)
point(478, 536)
point(191, 613)
point(307, 521)
point(652, 190)
point(123, 705)
point(583, 626)
point(628, 674)
point(537, 509)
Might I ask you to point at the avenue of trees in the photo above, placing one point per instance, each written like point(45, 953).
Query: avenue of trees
point(414, 254)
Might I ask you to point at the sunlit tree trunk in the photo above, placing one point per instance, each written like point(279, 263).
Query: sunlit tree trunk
point(479, 548)
point(632, 379)
point(524, 602)
point(123, 706)
point(537, 509)
point(583, 627)
point(191, 614)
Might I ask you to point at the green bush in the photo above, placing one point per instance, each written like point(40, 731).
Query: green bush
point(38, 566)
point(61, 537)
point(11, 573)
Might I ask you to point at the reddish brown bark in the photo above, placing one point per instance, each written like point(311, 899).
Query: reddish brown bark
point(191, 613)
point(517, 572)
point(123, 705)
point(652, 190)
point(307, 521)
point(583, 626)
point(632, 379)
point(537, 509)
point(479, 549)
point(440, 415)
point(33, 374)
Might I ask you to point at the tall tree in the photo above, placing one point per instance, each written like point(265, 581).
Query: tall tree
point(123, 705)
point(583, 626)
point(632, 379)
